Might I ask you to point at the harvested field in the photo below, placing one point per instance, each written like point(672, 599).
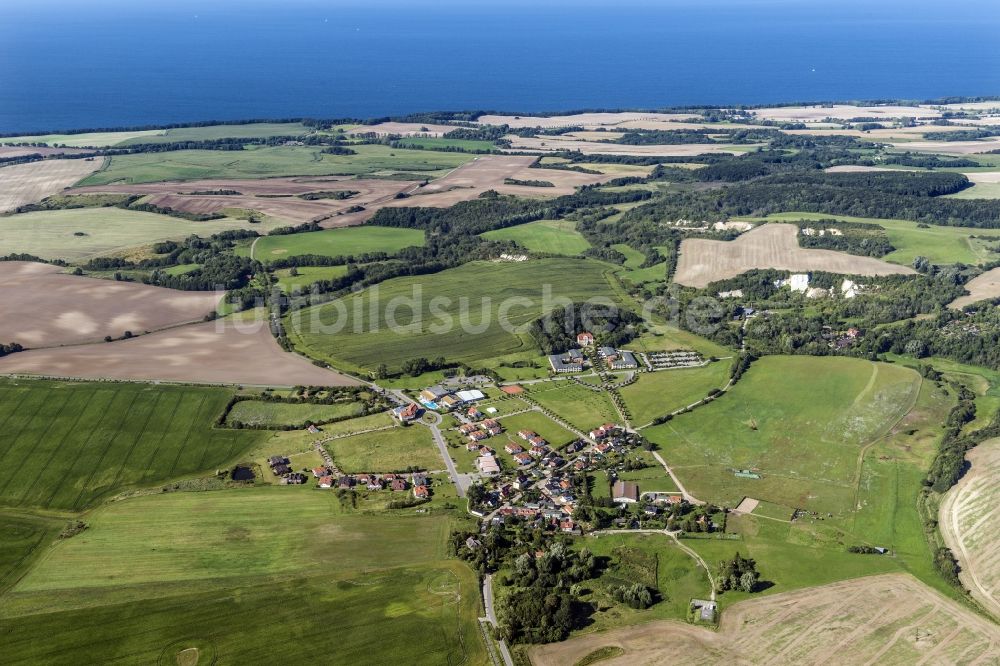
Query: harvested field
point(403, 129)
point(880, 619)
point(19, 151)
point(768, 246)
point(951, 147)
point(746, 505)
point(218, 352)
point(550, 144)
point(980, 288)
point(970, 524)
point(488, 173)
point(842, 112)
point(43, 307)
point(27, 183)
point(275, 197)
point(586, 120)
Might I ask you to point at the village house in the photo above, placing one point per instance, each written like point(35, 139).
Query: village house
point(523, 458)
point(313, 429)
point(449, 401)
point(488, 466)
point(326, 482)
point(526, 434)
point(274, 461)
point(478, 435)
point(407, 413)
point(281, 470)
point(513, 448)
point(320, 472)
point(538, 450)
point(474, 413)
point(585, 339)
point(398, 485)
point(419, 479)
point(421, 492)
point(294, 479)
point(603, 431)
point(468, 428)
point(625, 492)
point(491, 426)
point(345, 483)
point(567, 525)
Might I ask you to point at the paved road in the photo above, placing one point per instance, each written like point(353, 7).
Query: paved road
point(491, 616)
point(461, 481)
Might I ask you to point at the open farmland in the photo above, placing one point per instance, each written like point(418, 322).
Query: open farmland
point(85, 139)
point(78, 234)
point(951, 147)
point(212, 132)
point(488, 172)
point(402, 129)
point(345, 332)
point(810, 114)
point(980, 288)
point(273, 161)
point(940, 244)
point(801, 423)
point(218, 352)
point(335, 242)
point(596, 119)
point(768, 246)
point(555, 143)
point(880, 619)
point(284, 199)
point(67, 445)
point(549, 236)
point(231, 572)
point(22, 184)
point(44, 307)
point(970, 524)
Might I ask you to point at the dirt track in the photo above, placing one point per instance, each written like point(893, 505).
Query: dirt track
point(43, 307)
point(28, 183)
point(215, 352)
point(775, 246)
point(970, 524)
point(886, 619)
point(980, 288)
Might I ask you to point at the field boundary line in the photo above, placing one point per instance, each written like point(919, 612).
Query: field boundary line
point(107, 447)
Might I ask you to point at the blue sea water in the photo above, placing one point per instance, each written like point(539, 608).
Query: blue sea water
point(100, 63)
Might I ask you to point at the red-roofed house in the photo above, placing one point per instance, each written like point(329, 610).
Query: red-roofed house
point(585, 339)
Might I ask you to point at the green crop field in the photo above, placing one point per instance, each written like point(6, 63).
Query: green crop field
point(257, 412)
point(800, 422)
point(25, 537)
point(978, 191)
point(66, 445)
point(550, 236)
point(391, 450)
point(633, 266)
point(940, 244)
point(659, 393)
point(86, 139)
point(335, 242)
point(53, 234)
point(271, 161)
point(234, 573)
point(580, 407)
point(307, 275)
point(427, 310)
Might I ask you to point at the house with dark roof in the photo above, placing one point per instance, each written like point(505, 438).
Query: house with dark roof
point(625, 492)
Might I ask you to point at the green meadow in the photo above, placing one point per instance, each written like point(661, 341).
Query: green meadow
point(633, 266)
point(213, 132)
point(354, 333)
point(334, 242)
point(67, 445)
point(307, 275)
point(659, 393)
point(390, 450)
point(438, 143)
point(273, 161)
point(258, 412)
point(579, 406)
point(802, 423)
point(549, 236)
